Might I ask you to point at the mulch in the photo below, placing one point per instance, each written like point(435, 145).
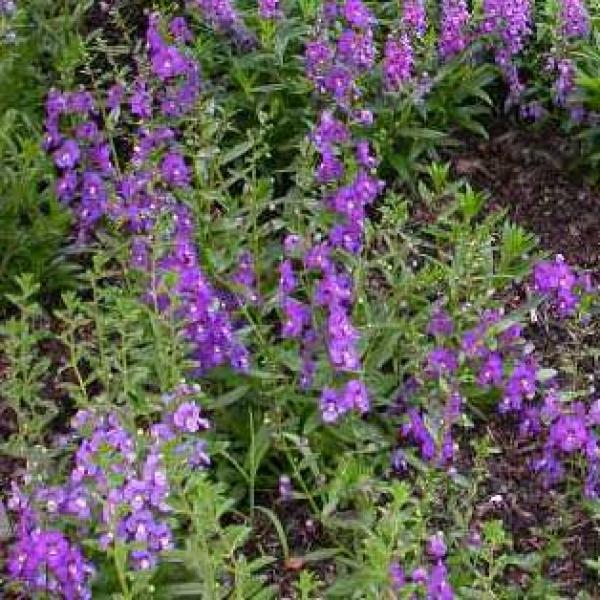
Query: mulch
point(528, 173)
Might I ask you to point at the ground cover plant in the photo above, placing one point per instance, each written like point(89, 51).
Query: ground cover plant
point(276, 318)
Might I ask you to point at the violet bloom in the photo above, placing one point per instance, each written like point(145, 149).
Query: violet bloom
point(141, 100)
point(292, 243)
point(436, 546)
point(417, 431)
point(356, 395)
point(440, 324)
point(45, 561)
point(174, 170)
point(285, 488)
point(297, 318)
point(330, 169)
point(187, 418)
point(397, 576)
point(364, 156)
point(510, 19)
point(398, 62)
point(114, 96)
point(357, 14)
point(329, 131)
point(419, 575)
point(67, 156)
point(356, 49)
point(414, 17)
point(575, 21)
point(349, 237)
point(179, 30)
point(199, 457)
point(269, 9)
point(491, 371)
point(440, 362)
point(521, 384)
point(438, 586)
point(318, 57)
point(565, 82)
point(287, 278)
point(66, 186)
point(569, 433)
point(330, 405)
point(168, 62)
point(453, 35)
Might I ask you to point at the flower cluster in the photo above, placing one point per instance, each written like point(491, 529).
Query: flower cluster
point(575, 21)
point(433, 580)
point(140, 196)
point(563, 287)
point(414, 17)
point(269, 9)
point(117, 492)
point(224, 18)
point(44, 561)
point(334, 64)
point(494, 355)
point(453, 27)
point(569, 430)
point(397, 62)
point(510, 22)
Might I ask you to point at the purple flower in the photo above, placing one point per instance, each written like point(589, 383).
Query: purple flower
point(329, 131)
point(199, 457)
point(356, 49)
point(440, 324)
point(356, 395)
point(575, 21)
point(414, 17)
point(297, 318)
point(436, 546)
point(357, 14)
point(569, 433)
point(440, 362)
point(141, 100)
point(44, 561)
point(114, 96)
point(521, 384)
point(491, 371)
point(169, 62)
point(187, 418)
point(318, 57)
point(285, 488)
point(174, 170)
point(67, 156)
point(454, 21)
point(66, 186)
point(269, 9)
point(397, 576)
point(397, 62)
point(180, 30)
point(438, 586)
point(287, 278)
point(292, 243)
point(364, 156)
point(330, 169)
point(416, 430)
point(329, 405)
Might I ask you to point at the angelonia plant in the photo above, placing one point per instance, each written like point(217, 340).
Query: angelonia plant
point(283, 402)
point(139, 194)
point(494, 357)
point(120, 495)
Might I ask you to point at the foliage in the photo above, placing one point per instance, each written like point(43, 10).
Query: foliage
point(291, 334)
